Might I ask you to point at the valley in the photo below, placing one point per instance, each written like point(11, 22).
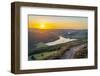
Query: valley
point(57, 44)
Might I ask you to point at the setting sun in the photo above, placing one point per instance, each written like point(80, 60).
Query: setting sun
point(42, 26)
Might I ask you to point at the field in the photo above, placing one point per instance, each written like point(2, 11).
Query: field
point(58, 51)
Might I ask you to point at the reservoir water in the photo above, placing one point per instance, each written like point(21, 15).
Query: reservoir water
point(59, 41)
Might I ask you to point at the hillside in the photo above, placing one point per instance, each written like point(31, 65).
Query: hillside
point(37, 38)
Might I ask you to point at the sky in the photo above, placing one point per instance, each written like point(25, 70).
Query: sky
point(57, 22)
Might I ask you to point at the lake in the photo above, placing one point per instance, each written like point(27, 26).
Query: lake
point(59, 41)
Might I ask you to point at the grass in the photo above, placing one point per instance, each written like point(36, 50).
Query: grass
point(45, 55)
point(55, 51)
point(50, 54)
point(56, 47)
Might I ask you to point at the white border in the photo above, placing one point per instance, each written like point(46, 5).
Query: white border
point(25, 64)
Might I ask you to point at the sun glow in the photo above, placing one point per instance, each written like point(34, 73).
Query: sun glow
point(53, 22)
point(42, 26)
